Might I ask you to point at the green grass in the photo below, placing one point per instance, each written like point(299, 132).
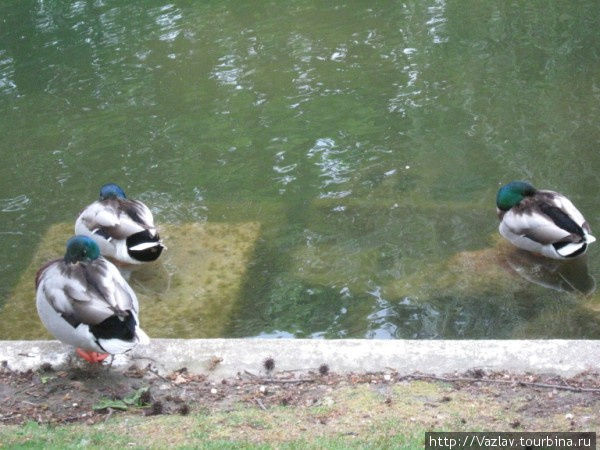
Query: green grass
point(113, 434)
point(33, 435)
point(362, 416)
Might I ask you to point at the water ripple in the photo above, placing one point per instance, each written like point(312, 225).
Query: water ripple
point(228, 72)
point(437, 22)
point(284, 169)
point(168, 21)
point(167, 208)
point(7, 73)
point(333, 168)
point(18, 203)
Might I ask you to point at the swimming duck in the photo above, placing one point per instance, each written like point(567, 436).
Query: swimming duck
point(123, 229)
point(83, 300)
point(542, 221)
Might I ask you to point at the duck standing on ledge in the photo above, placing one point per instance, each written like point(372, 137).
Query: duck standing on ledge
point(123, 229)
point(541, 221)
point(84, 301)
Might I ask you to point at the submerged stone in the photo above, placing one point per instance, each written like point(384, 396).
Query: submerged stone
point(188, 293)
point(491, 291)
point(498, 270)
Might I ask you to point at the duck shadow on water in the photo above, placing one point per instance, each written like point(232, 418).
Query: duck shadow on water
point(560, 275)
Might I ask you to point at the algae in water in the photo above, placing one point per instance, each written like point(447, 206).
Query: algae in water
point(188, 293)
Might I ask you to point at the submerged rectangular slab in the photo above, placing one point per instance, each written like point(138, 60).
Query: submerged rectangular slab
point(561, 357)
point(189, 292)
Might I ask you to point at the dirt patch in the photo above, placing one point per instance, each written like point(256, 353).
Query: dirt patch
point(92, 394)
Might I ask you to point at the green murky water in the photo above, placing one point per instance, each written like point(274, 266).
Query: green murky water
point(368, 139)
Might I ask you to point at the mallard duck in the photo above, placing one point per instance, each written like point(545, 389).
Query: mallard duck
point(83, 300)
point(541, 221)
point(123, 229)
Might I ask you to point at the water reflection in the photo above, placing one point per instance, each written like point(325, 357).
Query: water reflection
point(568, 276)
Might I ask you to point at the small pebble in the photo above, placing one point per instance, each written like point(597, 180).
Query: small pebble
point(213, 391)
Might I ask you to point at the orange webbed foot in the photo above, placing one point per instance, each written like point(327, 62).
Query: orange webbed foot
point(92, 357)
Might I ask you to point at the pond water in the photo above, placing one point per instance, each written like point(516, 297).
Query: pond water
point(367, 138)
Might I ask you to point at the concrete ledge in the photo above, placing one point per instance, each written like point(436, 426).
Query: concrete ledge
point(560, 357)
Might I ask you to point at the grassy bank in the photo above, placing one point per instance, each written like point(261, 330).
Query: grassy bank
point(374, 411)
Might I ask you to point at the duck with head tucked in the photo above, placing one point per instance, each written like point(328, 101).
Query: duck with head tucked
point(541, 221)
point(123, 228)
point(83, 300)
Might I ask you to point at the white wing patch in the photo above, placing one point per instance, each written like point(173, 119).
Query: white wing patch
point(534, 225)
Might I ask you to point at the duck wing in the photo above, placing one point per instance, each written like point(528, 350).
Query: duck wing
point(101, 218)
point(132, 217)
point(543, 220)
point(115, 218)
point(137, 212)
point(87, 293)
point(567, 207)
point(100, 214)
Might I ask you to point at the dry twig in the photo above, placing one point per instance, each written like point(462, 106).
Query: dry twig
point(489, 380)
